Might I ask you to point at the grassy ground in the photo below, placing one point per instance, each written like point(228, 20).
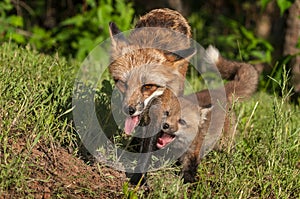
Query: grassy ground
point(264, 164)
point(39, 147)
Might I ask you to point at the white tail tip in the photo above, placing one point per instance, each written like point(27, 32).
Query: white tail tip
point(211, 55)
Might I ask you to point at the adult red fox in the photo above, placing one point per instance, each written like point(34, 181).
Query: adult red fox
point(161, 38)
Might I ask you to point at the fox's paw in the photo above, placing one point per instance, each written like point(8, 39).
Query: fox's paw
point(212, 55)
point(189, 177)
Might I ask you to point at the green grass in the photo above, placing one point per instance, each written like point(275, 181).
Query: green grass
point(35, 93)
point(35, 104)
point(264, 164)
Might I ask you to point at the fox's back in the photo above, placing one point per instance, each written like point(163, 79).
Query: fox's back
point(165, 18)
point(162, 29)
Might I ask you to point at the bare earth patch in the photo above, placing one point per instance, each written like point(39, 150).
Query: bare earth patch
point(55, 173)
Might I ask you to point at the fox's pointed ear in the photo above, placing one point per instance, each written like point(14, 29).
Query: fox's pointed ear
point(116, 36)
point(179, 59)
point(179, 55)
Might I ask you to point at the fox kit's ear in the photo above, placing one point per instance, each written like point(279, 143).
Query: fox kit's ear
point(211, 136)
point(181, 55)
point(117, 38)
point(204, 111)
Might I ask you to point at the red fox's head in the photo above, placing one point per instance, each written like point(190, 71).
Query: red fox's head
point(148, 46)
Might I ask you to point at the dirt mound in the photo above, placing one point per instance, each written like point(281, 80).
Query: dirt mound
point(55, 173)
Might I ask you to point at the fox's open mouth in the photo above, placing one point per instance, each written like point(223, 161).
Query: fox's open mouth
point(130, 123)
point(164, 140)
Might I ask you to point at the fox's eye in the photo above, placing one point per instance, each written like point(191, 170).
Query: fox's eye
point(121, 85)
point(148, 87)
point(166, 113)
point(182, 121)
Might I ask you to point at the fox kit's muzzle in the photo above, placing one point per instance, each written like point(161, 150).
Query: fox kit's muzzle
point(169, 128)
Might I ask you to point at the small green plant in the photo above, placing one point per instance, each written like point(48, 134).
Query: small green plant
point(130, 193)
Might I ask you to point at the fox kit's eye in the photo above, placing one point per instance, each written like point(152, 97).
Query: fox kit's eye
point(182, 121)
point(166, 113)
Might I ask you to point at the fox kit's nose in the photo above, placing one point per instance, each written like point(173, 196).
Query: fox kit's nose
point(130, 110)
point(165, 126)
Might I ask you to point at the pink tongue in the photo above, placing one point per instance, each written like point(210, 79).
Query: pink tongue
point(130, 124)
point(164, 140)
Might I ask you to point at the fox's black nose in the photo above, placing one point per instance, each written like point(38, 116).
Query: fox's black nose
point(131, 110)
point(166, 125)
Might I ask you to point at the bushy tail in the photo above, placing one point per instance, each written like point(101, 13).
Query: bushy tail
point(243, 77)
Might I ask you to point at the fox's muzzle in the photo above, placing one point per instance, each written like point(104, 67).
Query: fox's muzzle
point(134, 110)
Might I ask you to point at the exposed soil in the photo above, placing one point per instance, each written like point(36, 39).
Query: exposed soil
point(56, 173)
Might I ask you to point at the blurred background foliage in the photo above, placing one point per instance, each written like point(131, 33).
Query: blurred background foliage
point(261, 32)
point(72, 28)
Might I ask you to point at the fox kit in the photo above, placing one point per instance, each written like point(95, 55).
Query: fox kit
point(179, 121)
point(193, 126)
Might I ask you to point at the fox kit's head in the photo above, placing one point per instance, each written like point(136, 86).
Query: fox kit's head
point(171, 112)
point(143, 85)
point(181, 126)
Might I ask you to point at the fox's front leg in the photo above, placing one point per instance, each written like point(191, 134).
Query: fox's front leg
point(190, 163)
